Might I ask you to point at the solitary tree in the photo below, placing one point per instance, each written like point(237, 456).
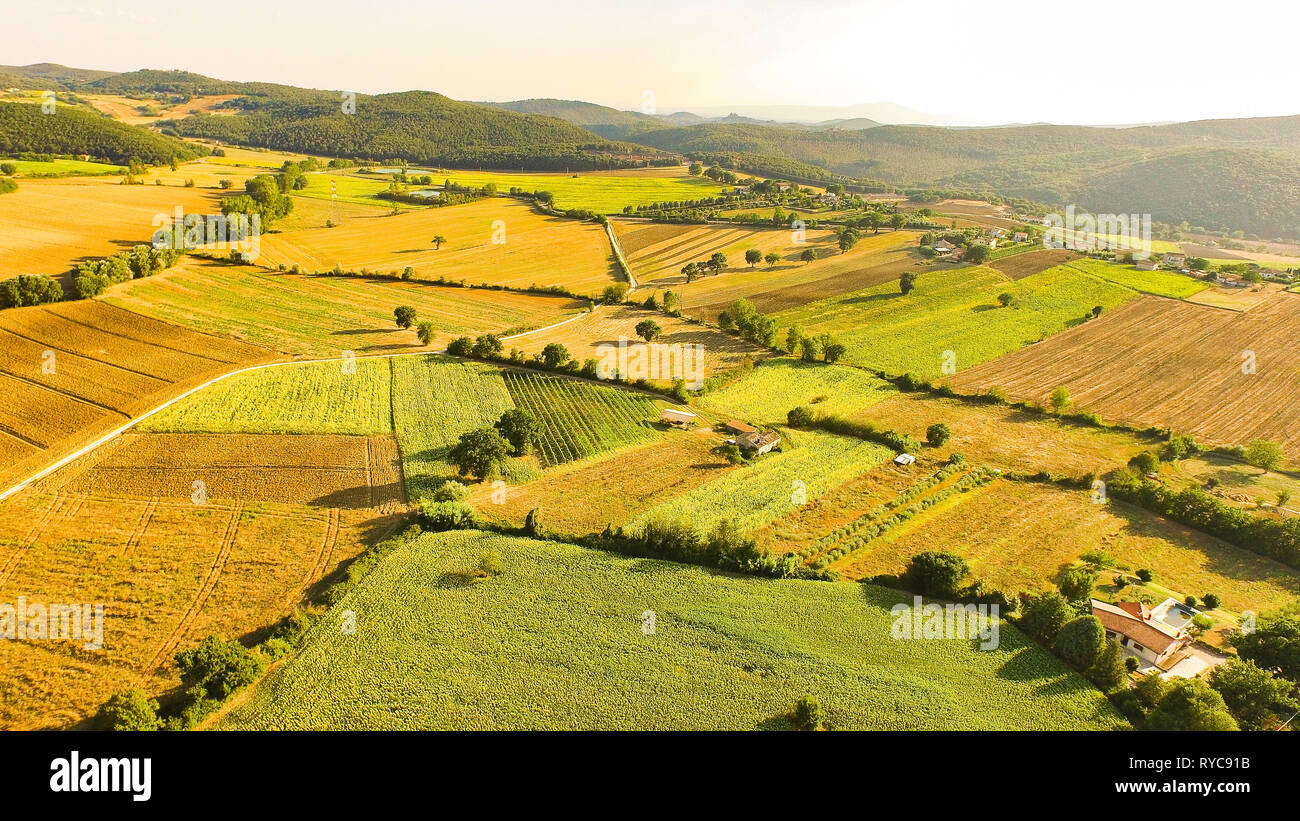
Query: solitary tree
point(1264, 455)
point(437, 241)
point(404, 316)
point(426, 332)
point(906, 282)
point(772, 258)
point(808, 255)
point(1060, 399)
point(648, 330)
point(555, 355)
point(718, 262)
point(937, 434)
point(808, 714)
point(482, 453)
point(753, 256)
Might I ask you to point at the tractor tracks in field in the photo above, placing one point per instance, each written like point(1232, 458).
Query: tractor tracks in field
point(205, 590)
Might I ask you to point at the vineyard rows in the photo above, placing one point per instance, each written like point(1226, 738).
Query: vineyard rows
point(580, 420)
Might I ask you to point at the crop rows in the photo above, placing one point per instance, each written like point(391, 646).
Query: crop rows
point(580, 420)
point(846, 549)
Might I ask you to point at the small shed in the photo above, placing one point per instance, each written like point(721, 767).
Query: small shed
point(739, 427)
point(904, 459)
point(678, 417)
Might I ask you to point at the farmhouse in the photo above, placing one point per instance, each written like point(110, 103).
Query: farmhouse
point(1020, 236)
point(1153, 635)
point(1174, 260)
point(758, 442)
point(943, 248)
point(995, 233)
point(678, 417)
point(1146, 265)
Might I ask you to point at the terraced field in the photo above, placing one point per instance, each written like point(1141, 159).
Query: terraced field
point(564, 649)
point(957, 311)
point(1159, 362)
point(324, 316)
point(498, 241)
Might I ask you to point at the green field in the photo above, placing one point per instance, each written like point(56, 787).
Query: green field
point(64, 168)
point(308, 397)
point(1160, 283)
point(435, 400)
point(954, 310)
point(810, 461)
point(556, 642)
point(579, 419)
point(773, 387)
point(602, 193)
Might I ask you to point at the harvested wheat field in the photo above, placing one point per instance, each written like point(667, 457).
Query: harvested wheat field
point(168, 574)
point(72, 370)
point(325, 471)
point(149, 112)
point(583, 497)
point(605, 325)
point(1162, 362)
point(1019, 536)
point(498, 241)
point(310, 315)
point(50, 225)
point(658, 262)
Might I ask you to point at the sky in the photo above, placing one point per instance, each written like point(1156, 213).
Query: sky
point(966, 63)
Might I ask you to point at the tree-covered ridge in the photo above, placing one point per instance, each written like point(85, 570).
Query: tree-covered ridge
point(71, 130)
point(416, 126)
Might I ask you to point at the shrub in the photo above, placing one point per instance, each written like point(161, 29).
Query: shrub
point(130, 710)
point(491, 563)
point(533, 522)
point(1211, 601)
point(1190, 601)
point(801, 417)
point(449, 491)
point(1045, 615)
point(937, 434)
point(936, 573)
point(461, 346)
point(1145, 575)
point(218, 667)
point(1077, 583)
point(1132, 664)
point(455, 515)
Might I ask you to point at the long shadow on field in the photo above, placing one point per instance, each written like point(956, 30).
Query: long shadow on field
point(871, 298)
point(362, 331)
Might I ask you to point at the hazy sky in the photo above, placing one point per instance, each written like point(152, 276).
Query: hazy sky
point(969, 62)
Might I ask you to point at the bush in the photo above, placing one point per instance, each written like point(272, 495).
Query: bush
point(1144, 575)
point(1132, 664)
point(937, 434)
point(533, 522)
point(936, 573)
point(801, 417)
point(460, 346)
point(1211, 601)
point(1077, 583)
point(439, 516)
point(1045, 615)
point(1190, 601)
point(130, 710)
point(218, 667)
point(491, 563)
point(449, 491)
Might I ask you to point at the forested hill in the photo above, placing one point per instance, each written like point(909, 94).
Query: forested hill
point(1245, 172)
point(72, 130)
point(416, 126)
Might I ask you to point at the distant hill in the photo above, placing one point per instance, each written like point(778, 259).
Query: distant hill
point(603, 120)
point(48, 76)
point(415, 126)
point(71, 130)
point(1139, 169)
